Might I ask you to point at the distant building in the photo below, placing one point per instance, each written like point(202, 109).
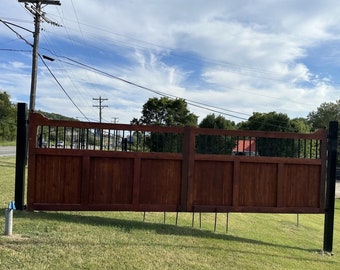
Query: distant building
point(245, 147)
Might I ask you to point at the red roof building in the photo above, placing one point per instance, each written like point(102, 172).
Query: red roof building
point(245, 147)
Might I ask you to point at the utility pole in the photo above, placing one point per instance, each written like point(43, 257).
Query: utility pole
point(100, 106)
point(36, 10)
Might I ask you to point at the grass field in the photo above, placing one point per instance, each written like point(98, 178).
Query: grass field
point(122, 240)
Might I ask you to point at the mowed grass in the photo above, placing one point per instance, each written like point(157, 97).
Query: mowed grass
point(122, 240)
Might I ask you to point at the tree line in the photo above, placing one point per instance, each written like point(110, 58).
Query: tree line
point(174, 112)
point(8, 118)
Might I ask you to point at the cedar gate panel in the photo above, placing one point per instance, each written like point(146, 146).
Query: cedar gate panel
point(110, 167)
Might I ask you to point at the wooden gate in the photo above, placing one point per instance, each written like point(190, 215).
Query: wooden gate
point(98, 166)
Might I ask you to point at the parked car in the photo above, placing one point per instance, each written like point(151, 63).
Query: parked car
point(60, 144)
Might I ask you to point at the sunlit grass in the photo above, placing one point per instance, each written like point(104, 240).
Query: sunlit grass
point(122, 240)
point(7, 143)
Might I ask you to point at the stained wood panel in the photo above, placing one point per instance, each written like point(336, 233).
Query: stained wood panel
point(58, 179)
point(258, 184)
point(111, 180)
point(301, 185)
point(160, 181)
point(213, 183)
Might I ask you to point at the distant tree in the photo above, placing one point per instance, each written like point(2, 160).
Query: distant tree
point(7, 118)
point(165, 112)
point(271, 121)
point(274, 121)
point(55, 116)
point(5, 105)
point(300, 125)
point(219, 122)
point(210, 144)
point(326, 112)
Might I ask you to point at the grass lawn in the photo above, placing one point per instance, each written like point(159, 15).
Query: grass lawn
point(122, 240)
point(7, 143)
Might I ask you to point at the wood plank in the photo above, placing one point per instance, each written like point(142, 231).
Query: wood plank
point(213, 183)
point(111, 180)
point(258, 185)
point(301, 186)
point(160, 181)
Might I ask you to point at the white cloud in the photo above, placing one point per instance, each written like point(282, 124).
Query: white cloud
point(243, 56)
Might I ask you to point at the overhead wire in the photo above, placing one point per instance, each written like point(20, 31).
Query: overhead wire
point(137, 43)
point(80, 97)
point(201, 105)
point(190, 102)
point(217, 65)
point(14, 31)
point(193, 103)
point(62, 88)
point(49, 70)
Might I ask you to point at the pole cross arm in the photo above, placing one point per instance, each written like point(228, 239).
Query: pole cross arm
point(48, 2)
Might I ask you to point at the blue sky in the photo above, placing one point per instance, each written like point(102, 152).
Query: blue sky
point(230, 57)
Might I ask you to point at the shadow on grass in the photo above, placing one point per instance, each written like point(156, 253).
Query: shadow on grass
point(7, 164)
point(159, 228)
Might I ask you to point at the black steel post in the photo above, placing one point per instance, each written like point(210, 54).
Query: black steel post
point(21, 156)
point(330, 187)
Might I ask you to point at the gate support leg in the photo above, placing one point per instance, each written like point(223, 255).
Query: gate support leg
point(330, 187)
point(21, 156)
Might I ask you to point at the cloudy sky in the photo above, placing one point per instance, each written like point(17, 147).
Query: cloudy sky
point(224, 57)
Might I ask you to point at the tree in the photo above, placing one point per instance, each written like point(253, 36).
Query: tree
point(271, 121)
point(274, 121)
point(219, 122)
point(209, 144)
point(5, 105)
point(165, 112)
point(7, 118)
point(326, 112)
point(300, 125)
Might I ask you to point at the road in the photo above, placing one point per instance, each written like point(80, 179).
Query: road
point(6, 151)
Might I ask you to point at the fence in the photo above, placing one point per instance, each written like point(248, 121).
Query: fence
point(99, 166)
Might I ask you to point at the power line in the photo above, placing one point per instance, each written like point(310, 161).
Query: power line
point(42, 59)
point(16, 25)
point(54, 77)
point(17, 34)
point(193, 103)
point(190, 102)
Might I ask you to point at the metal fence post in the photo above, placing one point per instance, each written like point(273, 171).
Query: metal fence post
point(21, 156)
point(330, 187)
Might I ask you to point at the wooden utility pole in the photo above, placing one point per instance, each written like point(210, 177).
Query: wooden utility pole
point(100, 106)
point(36, 10)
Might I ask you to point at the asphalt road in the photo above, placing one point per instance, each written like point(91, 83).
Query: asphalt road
point(6, 151)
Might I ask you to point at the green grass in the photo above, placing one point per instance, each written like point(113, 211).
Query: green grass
point(7, 143)
point(121, 240)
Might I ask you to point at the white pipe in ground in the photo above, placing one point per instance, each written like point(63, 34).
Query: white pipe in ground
point(8, 222)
